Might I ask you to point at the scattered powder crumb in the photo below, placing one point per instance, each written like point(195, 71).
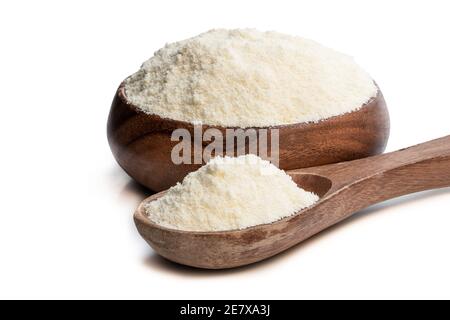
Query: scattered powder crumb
point(248, 78)
point(230, 193)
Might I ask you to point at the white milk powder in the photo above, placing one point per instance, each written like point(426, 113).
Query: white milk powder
point(246, 78)
point(230, 193)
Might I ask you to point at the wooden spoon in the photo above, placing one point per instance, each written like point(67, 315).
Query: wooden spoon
point(344, 189)
point(141, 143)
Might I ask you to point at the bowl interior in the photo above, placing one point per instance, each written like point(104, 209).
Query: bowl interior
point(313, 183)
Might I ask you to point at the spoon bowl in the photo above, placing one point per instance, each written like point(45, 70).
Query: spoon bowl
point(226, 249)
point(343, 188)
point(142, 144)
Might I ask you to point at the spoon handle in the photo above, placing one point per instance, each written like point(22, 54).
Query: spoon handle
point(375, 179)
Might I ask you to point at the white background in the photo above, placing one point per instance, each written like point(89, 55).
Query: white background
point(66, 228)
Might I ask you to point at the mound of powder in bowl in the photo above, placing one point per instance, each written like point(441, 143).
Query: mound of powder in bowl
point(228, 194)
point(246, 78)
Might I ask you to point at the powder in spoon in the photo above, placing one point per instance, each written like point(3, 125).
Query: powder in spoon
point(246, 78)
point(230, 193)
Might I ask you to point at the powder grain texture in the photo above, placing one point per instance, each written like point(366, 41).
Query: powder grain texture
point(248, 78)
point(230, 193)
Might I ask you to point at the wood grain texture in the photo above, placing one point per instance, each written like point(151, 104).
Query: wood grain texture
point(141, 143)
point(344, 188)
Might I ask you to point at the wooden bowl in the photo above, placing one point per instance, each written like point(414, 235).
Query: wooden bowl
point(141, 143)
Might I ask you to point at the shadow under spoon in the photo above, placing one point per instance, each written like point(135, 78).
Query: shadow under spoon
point(344, 189)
